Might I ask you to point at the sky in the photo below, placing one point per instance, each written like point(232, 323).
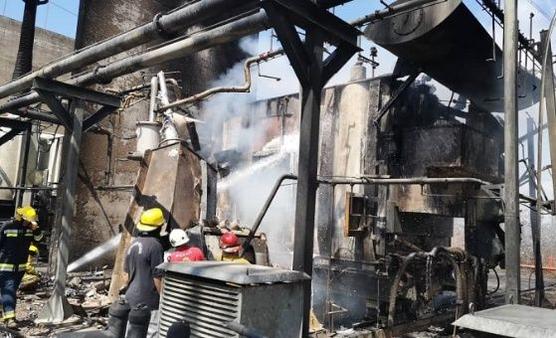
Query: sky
point(59, 16)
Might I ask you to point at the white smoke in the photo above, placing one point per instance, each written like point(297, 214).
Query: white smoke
point(233, 123)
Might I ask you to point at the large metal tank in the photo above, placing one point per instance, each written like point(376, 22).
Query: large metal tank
point(447, 42)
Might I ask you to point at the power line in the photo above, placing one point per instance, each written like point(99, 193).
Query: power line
point(62, 8)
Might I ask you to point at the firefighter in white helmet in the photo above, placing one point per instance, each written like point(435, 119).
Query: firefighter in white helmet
point(183, 252)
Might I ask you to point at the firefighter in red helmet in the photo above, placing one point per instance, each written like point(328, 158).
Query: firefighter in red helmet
point(231, 249)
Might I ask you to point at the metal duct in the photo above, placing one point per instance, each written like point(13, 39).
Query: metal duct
point(447, 42)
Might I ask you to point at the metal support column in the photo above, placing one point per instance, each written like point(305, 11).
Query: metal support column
point(307, 169)
point(306, 58)
point(511, 187)
point(58, 308)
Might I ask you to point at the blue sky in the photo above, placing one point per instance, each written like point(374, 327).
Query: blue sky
point(59, 16)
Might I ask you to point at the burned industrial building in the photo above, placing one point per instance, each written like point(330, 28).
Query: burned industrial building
point(278, 168)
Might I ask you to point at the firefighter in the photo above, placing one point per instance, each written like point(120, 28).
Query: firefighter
point(231, 249)
point(143, 256)
point(183, 252)
point(15, 238)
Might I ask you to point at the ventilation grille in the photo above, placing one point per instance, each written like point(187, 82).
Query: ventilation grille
point(205, 306)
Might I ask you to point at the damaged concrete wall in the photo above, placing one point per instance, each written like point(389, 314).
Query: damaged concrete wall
point(97, 219)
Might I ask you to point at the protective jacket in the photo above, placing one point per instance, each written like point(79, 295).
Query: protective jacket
point(14, 245)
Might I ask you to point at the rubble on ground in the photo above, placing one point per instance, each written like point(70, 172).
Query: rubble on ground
point(87, 293)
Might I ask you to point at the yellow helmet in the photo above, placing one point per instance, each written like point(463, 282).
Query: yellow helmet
point(33, 249)
point(151, 220)
point(28, 214)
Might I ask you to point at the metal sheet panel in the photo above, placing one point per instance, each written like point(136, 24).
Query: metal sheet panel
point(235, 273)
point(518, 321)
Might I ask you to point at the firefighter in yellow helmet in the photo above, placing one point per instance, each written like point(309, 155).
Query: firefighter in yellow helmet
point(143, 256)
point(16, 236)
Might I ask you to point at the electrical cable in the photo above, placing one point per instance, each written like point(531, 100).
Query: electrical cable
point(497, 282)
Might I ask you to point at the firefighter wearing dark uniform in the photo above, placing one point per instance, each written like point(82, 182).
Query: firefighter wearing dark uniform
point(15, 237)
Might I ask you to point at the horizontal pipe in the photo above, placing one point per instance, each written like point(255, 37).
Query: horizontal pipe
point(197, 42)
point(28, 188)
point(532, 267)
point(162, 25)
point(399, 181)
point(172, 22)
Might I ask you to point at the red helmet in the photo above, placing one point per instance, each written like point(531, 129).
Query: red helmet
point(229, 242)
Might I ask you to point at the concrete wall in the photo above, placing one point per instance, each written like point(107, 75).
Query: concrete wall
point(48, 46)
point(98, 216)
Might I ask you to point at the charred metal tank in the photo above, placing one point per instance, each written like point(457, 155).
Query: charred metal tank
point(446, 41)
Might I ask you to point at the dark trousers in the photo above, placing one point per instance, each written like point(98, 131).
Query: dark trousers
point(9, 283)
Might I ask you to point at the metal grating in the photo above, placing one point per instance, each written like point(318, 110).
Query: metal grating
point(206, 306)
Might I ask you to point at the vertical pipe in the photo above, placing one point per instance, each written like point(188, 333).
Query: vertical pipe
point(169, 131)
point(511, 187)
point(23, 162)
point(307, 169)
point(534, 216)
point(154, 94)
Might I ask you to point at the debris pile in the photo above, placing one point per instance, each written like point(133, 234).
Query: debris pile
point(87, 293)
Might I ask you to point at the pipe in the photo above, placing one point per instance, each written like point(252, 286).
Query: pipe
point(168, 131)
point(511, 185)
point(245, 88)
point(154, 94)
point(400, 181)
point(162, 24)
point(266, 206)
point(172, 22)
point(448, 253)
point(195, 43)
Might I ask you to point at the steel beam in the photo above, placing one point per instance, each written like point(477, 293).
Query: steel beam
point(65, 90)
point(307, 168)
point(305, 13)
point(9, 136)
point(95, 118)
point(313, 74)
point(35, 115)
point(14, 124)
point(56, 107)
point(511, 186)
point(291, 42)
point(58, 307)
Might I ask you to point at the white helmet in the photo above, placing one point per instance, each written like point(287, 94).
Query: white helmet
point(178, 237)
